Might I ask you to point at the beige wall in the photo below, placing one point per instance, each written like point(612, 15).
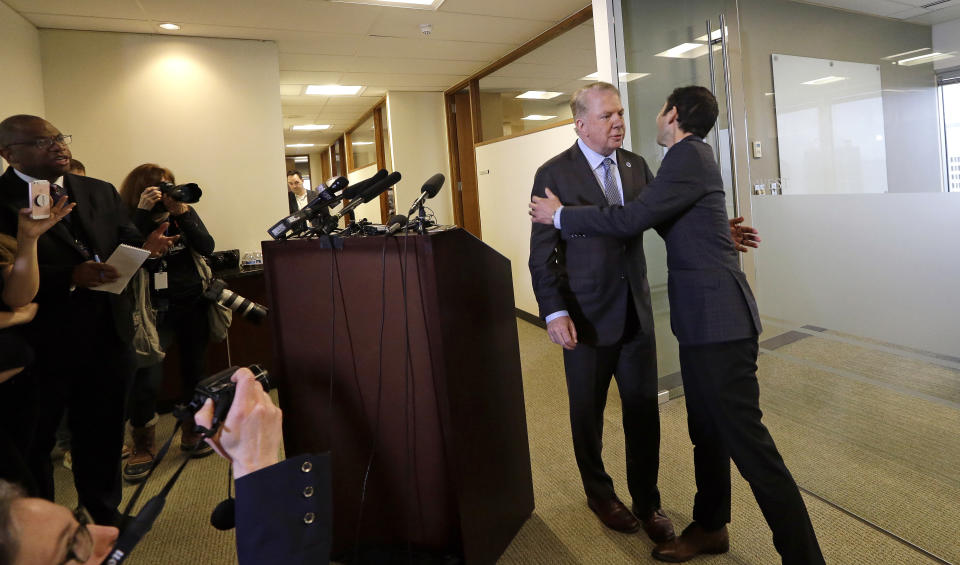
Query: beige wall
point(316, 169)
point(370, 210)
point(946, 39)
point(22, 91)
point(209, 109)
point(418, 138)
point(504, 194)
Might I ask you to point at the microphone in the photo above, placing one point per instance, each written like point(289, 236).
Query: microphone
point(429, 190)
point(354, 190)
point(224, 516)
point(369, 194)
point(328, 197)
point(397, 221)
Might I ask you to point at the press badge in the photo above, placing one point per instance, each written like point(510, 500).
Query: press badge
point(160, 280)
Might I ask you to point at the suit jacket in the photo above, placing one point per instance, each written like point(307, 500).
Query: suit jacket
point(710, 300)
point(284, 513)
point(103, 218)
point(311, 194)
point(589, 275)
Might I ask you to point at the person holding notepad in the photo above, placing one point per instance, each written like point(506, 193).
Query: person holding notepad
point(81, 338)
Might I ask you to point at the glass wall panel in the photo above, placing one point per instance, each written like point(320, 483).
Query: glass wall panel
point(363, 144)
point(859, 368)
point(534, 91)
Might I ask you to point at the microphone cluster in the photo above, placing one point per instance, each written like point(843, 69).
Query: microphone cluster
point(337, 190)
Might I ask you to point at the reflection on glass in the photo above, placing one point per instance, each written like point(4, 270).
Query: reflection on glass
point(363, 144)
point(829, 126)
point(951, 123)
point(534, 91)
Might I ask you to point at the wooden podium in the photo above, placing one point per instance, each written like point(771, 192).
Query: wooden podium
point(400, 355)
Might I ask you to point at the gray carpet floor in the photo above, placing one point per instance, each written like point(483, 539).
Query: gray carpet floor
point(861, 426)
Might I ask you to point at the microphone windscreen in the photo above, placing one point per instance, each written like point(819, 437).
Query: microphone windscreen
point(397, 219)
point(356, 189)
point(380, 187)
point(336, 184)
point(224, 516)
point(433, 184)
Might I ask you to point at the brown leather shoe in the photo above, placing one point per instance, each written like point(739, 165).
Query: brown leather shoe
point(614, 515)
point(692, 542)
point(658, 527)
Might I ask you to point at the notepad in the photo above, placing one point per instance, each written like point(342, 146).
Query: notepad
point(126, 259)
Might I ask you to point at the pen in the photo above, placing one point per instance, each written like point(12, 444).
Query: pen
point(97, 259)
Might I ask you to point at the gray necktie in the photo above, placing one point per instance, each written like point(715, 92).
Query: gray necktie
point(610, 189)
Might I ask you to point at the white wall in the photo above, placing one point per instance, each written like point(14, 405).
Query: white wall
point(946, 38)
point(418, 140)
point(208, 109)
point(370, 210)
point(882, 266)
point(504, 194)
point(22, 90)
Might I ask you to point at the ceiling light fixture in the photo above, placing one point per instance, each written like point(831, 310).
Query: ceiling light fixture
point(294, 145)
point(892, 57)
point(824, 80)
point(311, 127)
point(537, 117)
point(361, 143)
point(921, 59)
point(624, 77)
point(416, 4)
point(688, 51)
point(170, 26)
point(301, 159)
point(333, 90)
point(538, 95)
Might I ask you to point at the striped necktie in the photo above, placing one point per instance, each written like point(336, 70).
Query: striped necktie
point(610, 189)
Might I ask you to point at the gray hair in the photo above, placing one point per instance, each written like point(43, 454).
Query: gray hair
point(577, 104)
point(9, 536)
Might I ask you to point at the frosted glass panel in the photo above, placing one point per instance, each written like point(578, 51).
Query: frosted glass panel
point(829, 126)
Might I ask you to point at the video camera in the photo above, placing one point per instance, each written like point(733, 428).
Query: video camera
point(220, 389)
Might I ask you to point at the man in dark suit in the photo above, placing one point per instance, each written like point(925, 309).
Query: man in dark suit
point(81, 337)
point(298, 197)
point(715, 319)
point(593, 294)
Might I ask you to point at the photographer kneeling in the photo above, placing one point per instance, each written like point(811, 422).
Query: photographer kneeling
point(282, 507)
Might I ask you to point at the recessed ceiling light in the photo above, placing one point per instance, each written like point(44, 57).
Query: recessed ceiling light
point(539, 95)
point(361, 143)
point(911, 52)
point(301, 159)
point(311, 127)
point(170, 26)
point(921, 59)
point(824, 80)
point(418, 4)
point(300, 145)
point(333, 89)
point(624, 77)
point(714, 35)
point(537, 117)
point(687, 51)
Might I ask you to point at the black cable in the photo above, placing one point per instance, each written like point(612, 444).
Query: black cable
point(376, 429)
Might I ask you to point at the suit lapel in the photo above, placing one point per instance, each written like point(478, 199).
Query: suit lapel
point(84, 214)
point(589, 192)
point(628, 177)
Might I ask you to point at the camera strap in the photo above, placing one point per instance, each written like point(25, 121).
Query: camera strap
point(133, 529)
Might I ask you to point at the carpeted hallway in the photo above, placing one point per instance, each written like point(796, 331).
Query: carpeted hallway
point(870, 431)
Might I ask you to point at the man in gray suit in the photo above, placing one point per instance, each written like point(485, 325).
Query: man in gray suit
point(715, 319)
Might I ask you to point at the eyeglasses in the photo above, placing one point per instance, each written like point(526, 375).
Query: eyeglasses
point(81, 545)
point(46, 142)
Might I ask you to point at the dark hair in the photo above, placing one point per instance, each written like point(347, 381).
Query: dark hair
point(144, 176)
point(10, 127)
point(76, 165)
point(291, 173)
point(9, 536)
point(697, 109)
